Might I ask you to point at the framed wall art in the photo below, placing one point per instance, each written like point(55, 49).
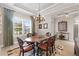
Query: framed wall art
point(40, 26)
point(62, 26)
point(45, 25)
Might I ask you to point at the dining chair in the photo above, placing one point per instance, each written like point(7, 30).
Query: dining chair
point(29, 35)
point(34, 34)
point(45, 45)
point(24, 49)
point(53, 44)
point(50, 43)
point(48, 34)
point(52, 39)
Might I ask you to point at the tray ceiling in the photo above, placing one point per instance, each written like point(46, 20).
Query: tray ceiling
point(46, 8)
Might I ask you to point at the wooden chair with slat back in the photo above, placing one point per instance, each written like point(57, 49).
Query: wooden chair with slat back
point(48, 34)
point(43, 46)
point(53, 42)
point(29, 35)
point(50, 41)
point(46, 46)
point(24, 49)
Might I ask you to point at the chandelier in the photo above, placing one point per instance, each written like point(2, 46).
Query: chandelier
point(39, 18)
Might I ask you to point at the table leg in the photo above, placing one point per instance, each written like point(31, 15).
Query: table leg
point(36, 49)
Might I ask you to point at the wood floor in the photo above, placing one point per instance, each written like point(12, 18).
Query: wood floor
point(67, 49)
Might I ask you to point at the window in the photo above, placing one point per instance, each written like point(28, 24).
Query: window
point(27, 26)
point(21, 26)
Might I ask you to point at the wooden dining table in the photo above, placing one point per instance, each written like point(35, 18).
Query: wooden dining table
point(36, 40)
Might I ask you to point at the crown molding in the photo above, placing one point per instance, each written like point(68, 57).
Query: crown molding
point(56, 8)
point(49, 7)
point(16, 9)
point(59, 8)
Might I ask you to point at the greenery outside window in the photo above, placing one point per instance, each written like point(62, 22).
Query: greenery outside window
point(21, 26)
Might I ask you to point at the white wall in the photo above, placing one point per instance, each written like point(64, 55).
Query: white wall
point(50, 21)
point(53, 25)
point(1, 27)
point(70, 25)
point(77, 22)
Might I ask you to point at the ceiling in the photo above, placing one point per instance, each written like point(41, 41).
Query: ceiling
point(34, 7)
point(30, 7)
point(45, 8)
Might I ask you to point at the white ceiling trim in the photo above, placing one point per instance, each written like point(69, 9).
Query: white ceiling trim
point(24, 8)
point(49, 7)
point(16, 9)
point(57, 9)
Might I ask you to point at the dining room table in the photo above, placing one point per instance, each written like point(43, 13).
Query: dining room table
point(36, 39)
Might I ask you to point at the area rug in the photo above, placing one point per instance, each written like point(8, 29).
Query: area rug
point(62, 48)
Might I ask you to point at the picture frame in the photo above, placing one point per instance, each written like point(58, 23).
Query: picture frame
point(62, 26)
point(40, 26)
point(45, 25)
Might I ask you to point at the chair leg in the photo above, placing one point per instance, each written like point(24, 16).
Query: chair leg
point(40, 52)
point(20, 53)
point(52, 49)
point(50, 52)
point(34, 52)
point(46, 53)
point(74, 51)
point(54, 46)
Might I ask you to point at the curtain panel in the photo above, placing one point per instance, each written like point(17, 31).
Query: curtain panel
point(8, 27)
point(33, 25)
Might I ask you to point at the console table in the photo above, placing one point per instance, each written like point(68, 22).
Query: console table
point(64, 34)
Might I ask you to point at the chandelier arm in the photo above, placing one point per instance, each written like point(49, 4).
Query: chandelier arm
point(39, 18)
